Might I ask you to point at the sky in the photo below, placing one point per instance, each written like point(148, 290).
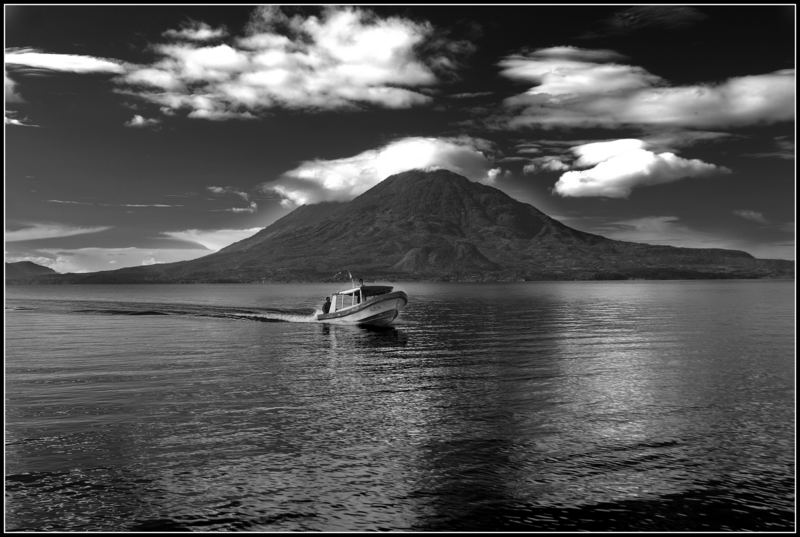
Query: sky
point(148, 134)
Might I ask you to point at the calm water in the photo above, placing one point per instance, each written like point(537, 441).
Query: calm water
point(539, 406)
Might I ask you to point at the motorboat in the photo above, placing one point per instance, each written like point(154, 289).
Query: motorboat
point(365, 305)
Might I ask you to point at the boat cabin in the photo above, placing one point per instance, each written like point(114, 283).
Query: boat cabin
point(355, 296)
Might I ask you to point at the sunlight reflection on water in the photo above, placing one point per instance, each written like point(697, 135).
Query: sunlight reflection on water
point(554, 406)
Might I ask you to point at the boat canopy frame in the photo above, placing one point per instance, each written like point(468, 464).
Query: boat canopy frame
point(357, 296)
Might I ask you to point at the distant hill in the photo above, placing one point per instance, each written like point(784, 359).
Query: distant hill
point(26, 270)
point(437, 225)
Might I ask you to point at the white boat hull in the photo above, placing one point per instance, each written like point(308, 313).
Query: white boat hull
point(379, 310)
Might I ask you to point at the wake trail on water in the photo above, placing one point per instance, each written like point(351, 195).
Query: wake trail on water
point(266, 315)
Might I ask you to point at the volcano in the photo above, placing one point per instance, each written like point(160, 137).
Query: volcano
point(438, 225)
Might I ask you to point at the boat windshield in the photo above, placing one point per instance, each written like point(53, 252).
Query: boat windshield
point(374, 290)
point(346, 299)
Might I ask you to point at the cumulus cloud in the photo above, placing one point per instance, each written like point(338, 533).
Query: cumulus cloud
point(213, 239)
point(138, 121)
point(598, 152)
point(493, 175)
point(345, 178)
point(582, 87)
point(745, 100)
point(562, 72)
point(617, 167)
point(549, 163)
point(753, 216)
point(346, 57)
point(153, 77)
point(73, 63)
point(39, 231)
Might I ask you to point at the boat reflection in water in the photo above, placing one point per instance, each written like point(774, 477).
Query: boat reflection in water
point(365, 305)
point(365, 337)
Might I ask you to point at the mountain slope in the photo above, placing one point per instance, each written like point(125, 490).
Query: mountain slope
point(439, 225)
point(26, 270)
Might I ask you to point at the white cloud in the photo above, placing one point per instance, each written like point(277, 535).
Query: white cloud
point(9, 120)
point(579, 87)
point(140, 205)
point(619, 166)
point(492, 175)
point(14, 118)
point(221, 190)
point(155, 77)
point(344, 58)
point(194, 64)
point(597, 152)
point(70, 202)
point(11, 94)
point(74, 63)
point(214, 239)
point(746, 100)
point(567, 72)
point(345, 178)
point(197, 31)
point(49, 231)
point(95, 259)
point(138, 121)
point(549, 163)
point(753, 216)
point(576, 54)
point(252, 206)
point(38, 259)
point(128, 205)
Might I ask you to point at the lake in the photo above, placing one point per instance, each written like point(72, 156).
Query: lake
point(599, 406)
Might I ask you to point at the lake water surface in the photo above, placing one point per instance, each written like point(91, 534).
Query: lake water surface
point(630, 406)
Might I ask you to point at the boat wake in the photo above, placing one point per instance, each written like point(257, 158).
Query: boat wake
point(276, 315)
point(265, 315)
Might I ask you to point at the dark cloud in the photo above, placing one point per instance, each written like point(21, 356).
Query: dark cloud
point(638, 19)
